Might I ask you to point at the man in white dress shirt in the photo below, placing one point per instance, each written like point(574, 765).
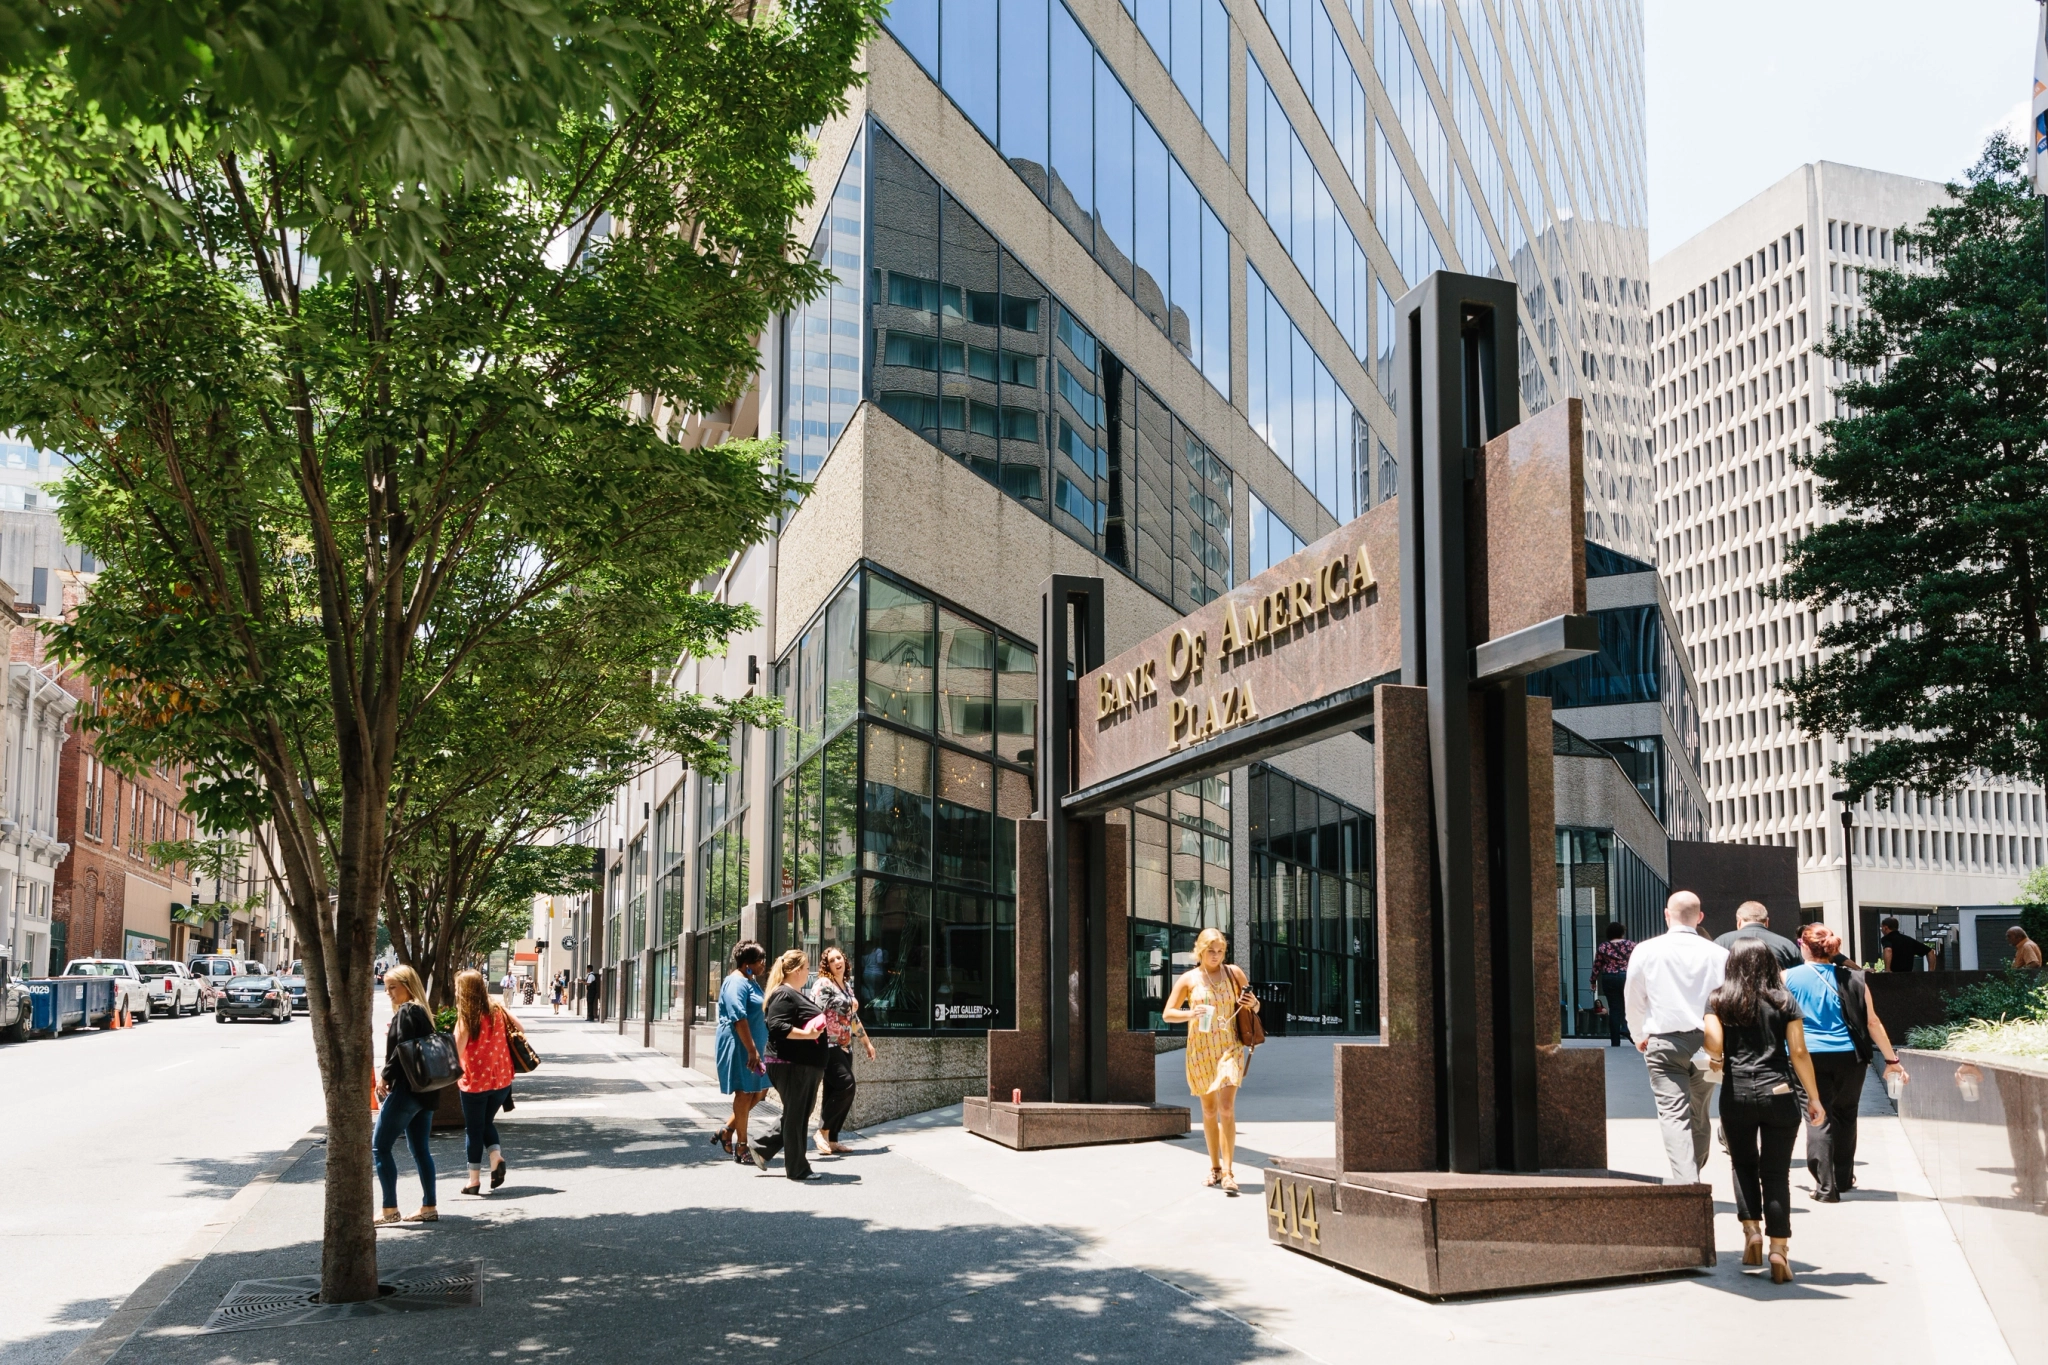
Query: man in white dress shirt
point(1669, 980)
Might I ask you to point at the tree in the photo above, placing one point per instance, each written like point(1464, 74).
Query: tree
point(352, 332)
point(1939, 561)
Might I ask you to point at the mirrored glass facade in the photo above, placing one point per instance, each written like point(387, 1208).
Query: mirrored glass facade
point(1180, 885)
point(896, 789)
point(1313, 921)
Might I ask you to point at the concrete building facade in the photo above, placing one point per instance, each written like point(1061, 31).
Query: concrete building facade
point(1113, 289)
point(1740, 391)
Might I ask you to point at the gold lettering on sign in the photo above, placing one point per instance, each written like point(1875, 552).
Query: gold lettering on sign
point(1184, 654)
point(1191, 722)
point(1114, 695)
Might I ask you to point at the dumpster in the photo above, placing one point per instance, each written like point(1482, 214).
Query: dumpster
point(63, 1003)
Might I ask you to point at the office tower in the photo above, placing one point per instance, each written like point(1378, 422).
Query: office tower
point(1112, 294)
point(1740, 391)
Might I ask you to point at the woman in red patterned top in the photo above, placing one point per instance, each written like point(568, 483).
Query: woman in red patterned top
point(1610, 978)
point(486, 1082)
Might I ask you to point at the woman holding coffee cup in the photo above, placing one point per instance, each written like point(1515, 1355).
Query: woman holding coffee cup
point(1208, 999)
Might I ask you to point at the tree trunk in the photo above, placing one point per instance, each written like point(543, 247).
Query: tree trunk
point(348, 1236)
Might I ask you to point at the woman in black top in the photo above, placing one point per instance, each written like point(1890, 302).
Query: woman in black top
point(796, 1063)
point(401, 1110)
point(1753, 1027)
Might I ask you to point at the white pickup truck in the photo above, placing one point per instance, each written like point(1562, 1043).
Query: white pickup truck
point(172, 989)
point(129, 986)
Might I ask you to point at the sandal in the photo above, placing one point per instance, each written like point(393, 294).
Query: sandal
point(386, 1218)
point(723, 1138)
point(1230, 1184)
point(472, 1189)
point(425, 1215)
point(1215, 1178)
point(498, 1174)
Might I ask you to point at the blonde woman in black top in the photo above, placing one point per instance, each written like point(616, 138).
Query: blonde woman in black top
point(796, 1063)
point(1753, 1030)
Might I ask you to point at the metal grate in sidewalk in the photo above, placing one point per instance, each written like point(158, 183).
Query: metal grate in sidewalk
point(293, 1300)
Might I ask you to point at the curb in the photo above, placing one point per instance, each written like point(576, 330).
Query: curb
point(121, 1325)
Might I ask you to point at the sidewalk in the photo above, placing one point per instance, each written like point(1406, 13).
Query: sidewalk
point(622, 1235)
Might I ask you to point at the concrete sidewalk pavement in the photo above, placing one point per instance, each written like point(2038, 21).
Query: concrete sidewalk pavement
point(623, 1235)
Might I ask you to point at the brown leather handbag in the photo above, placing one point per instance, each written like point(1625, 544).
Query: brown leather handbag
point(1250, 1032)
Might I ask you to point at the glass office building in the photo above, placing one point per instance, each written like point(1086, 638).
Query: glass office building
point(1133, 268)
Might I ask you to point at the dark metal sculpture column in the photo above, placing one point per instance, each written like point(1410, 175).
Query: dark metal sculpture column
point(1456, 362)
point(1070, 644)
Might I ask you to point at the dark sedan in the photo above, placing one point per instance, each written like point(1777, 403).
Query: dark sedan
point(294, 987)
point(253, 997)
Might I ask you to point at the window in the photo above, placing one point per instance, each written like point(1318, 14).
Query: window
point(1034, 84)
point(1312, 903)
point(1180, 885)
point(822, 339)
point(974, 354)
point(1272, 540)
point(1296, 406)
point(895, 812)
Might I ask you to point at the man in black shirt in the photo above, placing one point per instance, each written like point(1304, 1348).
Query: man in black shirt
point(1753, 921)
point(1903, 954)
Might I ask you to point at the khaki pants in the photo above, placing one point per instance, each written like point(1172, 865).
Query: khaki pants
point(1684, 1095)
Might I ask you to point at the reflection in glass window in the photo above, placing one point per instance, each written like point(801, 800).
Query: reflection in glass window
point(1180, 885)
point(1312, 903)
point(1600, 881)
point(1272, 539)
point(1296, 406)
point(1317, 55)
point(1627, 668)
point(823, 337)
point(1297, 205)
point(1192, 40)
point(927, 791)
point(1070, 130)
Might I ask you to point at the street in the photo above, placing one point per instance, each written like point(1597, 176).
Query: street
point(117, 1145)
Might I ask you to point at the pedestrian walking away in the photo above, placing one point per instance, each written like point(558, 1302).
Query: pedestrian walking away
point(1610, 978)
point(833, 994)
point(2026, 954)
point(796, 1063)
point(742, 1044)
point(483, 1032)
point(1753, 921)
point(1208, 998)
point(1669, 980)
point(402, 1111)
point(1756, 1038)
point(1842, 1033)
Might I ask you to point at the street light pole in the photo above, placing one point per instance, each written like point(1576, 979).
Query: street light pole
point(1849, 875)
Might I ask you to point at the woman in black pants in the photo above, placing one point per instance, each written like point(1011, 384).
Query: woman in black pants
point(834, 995)
point(1753, 1028)
point(796, 1063)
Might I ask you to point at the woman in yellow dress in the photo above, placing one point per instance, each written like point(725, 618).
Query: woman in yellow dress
point(1207, 999)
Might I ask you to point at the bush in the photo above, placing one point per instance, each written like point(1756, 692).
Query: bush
point(2016, 995)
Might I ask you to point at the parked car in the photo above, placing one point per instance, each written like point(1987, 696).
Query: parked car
point(130, 990)
point(17, 1005)
point(215, 970)
point(253, 997)
point(293, 983)
point(172, 988)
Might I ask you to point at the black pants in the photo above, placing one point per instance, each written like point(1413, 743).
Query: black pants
point(590, 1001)
point(797, 1088)
point(1614, 985)
point(838, 1092)
point(479, 1121)
point(1760, 1139)
point(1831, 1148)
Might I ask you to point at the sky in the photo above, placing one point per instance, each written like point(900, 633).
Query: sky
point(1743, 91)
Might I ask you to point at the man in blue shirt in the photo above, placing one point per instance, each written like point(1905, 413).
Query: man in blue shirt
point(1834, 1007)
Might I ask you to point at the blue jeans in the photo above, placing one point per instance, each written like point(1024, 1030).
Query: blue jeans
point(413, 1115)
point(479, 1126)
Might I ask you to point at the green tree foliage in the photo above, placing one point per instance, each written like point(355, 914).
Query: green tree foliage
point(1940, 560)
point(349, 318)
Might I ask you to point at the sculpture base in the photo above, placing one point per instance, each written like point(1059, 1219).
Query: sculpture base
point(1032, 1126)
point(1442, 1235)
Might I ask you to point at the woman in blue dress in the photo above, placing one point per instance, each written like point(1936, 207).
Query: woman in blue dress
point(742, 1038)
